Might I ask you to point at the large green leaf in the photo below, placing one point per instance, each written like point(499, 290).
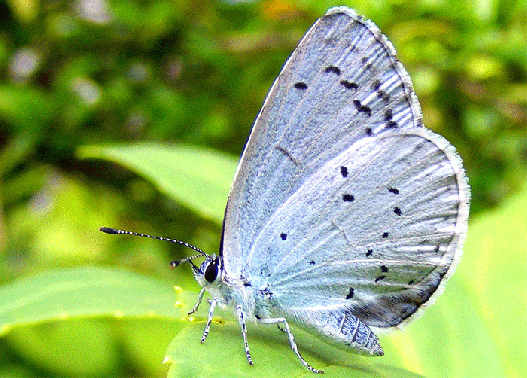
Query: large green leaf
point(59, 320)
point(197, 177)
point(494, 271)
point(74, 347)
point(86, 292)
point(222, 355)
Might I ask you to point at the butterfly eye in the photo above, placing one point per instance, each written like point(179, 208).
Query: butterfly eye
point(211, 271)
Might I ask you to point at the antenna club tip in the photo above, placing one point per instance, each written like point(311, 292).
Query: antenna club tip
point(175, 263)
point(109, 230)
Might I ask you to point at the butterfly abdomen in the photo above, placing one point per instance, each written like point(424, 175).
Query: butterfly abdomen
point(342, 329)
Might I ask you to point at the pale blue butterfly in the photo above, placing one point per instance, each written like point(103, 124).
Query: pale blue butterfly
point(346, 216)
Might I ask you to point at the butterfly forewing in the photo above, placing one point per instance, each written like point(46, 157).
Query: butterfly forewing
point(342, 84)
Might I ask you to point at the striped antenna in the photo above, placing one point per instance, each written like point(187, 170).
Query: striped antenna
point(173, 264)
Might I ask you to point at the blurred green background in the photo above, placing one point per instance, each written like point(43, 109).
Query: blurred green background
point(195, 73)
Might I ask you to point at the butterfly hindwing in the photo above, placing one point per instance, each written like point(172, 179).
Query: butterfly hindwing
point(377, 240)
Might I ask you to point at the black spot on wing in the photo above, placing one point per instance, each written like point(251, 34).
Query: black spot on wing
point(384, 268)
point(348, 197)
point(332, 69)
point(266, 293)
point(391, 125)
point(344, 171)
point(301, 85)
point(368, 131)
point(385, 235)
point(362, 108)
point(283, 236)
point(264, 272)
point(370, 251)
point(379, 278)
point(350, 294)
point(397, 211)
point(384, 96)
point(393, 190)
point(349, 84)
point(376, 85)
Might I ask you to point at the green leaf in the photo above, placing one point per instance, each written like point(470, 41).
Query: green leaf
point(472, 330)
point(145, 342)
point(74, 347)
point(88, 292)
point(58, 320)
point(495, 275)
point(197, 177)
point(223, 355)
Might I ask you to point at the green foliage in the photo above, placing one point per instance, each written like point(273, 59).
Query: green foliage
point(222, 356)
point(57, 319)
point(196, 177)
point(84, 94)
point(82, 292)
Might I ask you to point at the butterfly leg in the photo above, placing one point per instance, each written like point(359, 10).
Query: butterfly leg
point(283, 321)
point(200, 297)
point(241, 320)
point(213, 303)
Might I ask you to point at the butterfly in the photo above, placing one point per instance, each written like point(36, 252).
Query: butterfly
point(346, 216)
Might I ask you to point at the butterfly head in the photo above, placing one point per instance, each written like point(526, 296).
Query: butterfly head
point(209, 270)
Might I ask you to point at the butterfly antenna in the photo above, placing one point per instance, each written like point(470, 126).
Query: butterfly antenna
point(173, 264)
